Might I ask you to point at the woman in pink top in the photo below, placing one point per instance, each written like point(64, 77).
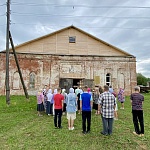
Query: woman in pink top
point(40, 101)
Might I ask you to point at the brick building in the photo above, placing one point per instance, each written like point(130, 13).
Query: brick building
point(66, 58)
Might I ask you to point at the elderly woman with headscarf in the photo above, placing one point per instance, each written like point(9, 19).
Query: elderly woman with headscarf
point(121, 97)
point(65, 97)
point(49, 99)
point(71, 108)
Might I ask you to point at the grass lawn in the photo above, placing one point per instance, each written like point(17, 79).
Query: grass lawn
point(22, 129)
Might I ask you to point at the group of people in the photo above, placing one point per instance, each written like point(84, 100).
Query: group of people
point(83, 101)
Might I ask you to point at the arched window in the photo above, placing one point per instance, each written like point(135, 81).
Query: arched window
point(32, 80)
point(121, 80)
point(108, 79)
point(16, 81)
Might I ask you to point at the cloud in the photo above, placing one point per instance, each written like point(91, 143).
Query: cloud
point(127, 32)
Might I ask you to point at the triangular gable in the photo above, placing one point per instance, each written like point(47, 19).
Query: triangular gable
point(57, 43)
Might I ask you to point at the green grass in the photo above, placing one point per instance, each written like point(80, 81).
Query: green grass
point(22, 129)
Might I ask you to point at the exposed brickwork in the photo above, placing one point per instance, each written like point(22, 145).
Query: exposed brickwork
point(48, 69)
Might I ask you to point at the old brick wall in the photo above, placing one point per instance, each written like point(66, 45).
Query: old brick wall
point(48, 69)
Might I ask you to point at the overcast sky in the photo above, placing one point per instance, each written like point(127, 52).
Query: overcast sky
point(122, 23)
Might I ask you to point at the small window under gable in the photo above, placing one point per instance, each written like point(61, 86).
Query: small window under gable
point(72, 39)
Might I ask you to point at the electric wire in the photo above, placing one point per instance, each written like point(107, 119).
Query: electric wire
point(129, 28)
point(69, 16)
point(72, 5)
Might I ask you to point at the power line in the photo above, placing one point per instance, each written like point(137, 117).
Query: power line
point(68, 16)
point(83, 26)
point(72, 5)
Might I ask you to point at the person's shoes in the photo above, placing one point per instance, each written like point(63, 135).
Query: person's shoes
point(72, 128)
point(142, 134)
point(84, 132)
point(56, 127)
point(48, 114)
point(88, 132)
point(136, 134)
point(60, 127)
point(69, 128)
point(103, 133)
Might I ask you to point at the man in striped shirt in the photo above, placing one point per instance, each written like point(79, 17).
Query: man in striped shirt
point(106, 108)
point(137, 111)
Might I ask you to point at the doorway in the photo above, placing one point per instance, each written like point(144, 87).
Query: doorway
point(76, 83)
point(67, 83)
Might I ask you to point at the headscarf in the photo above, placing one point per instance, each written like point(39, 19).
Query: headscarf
point(63, 91)
point(55, 91)
point(71, 90)
point(88, 90)
point(50, 91)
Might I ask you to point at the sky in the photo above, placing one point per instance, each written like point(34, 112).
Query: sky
point(124, 23)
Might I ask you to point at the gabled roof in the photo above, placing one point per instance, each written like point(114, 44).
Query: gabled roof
point(42, 37)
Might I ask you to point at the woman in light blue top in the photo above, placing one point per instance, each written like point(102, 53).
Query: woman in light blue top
point(71, 108)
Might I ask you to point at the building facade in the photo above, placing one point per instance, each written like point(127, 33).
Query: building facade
point(68, 58)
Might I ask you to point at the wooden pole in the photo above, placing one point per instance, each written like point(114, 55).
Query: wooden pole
point(19, 71)
point(7, 54)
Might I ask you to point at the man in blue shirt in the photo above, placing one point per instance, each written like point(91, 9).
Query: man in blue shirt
point(85, 107)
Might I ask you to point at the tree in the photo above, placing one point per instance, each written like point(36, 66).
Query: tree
point(142, 80)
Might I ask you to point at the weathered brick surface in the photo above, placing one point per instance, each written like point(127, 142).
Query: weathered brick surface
point(48, 69)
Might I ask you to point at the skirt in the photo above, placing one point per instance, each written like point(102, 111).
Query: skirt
point(40, 107)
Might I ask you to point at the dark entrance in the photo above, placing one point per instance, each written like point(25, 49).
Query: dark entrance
point(67, 83)
point(76, 83)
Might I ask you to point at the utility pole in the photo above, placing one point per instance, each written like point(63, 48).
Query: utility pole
point(19, 71)
point(7, 54)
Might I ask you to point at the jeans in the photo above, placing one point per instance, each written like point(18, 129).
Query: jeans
point(107, 125)
point(58, 113)
point(86, 116)
point(138, 117)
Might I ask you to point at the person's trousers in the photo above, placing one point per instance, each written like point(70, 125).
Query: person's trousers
point(58, 115)
point(86, 117)
point(107, 125)
point(51, 108)
point(138, 118)
point(48, 108)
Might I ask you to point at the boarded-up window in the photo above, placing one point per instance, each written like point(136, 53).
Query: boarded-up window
point(121, 82)
point(108, 79)
point(32, 80)
point(16, 81)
